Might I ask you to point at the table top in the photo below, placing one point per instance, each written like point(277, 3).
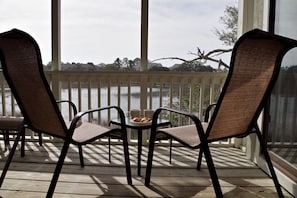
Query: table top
point(140, 125)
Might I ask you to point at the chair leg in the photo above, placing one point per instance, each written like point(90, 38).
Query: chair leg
point(109, 150)
point(9, 158)
point(40, 139)
point(170, 150)
point(81, 156)
point(270, 165)
point(150, 159)
point(273, 174)
point(127, 158)
point(23, 130)
point(6, 139)
point(199, 159)
point(212, 170)
point(58, 169)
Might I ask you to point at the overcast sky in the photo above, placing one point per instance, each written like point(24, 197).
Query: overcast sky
point(99, 31)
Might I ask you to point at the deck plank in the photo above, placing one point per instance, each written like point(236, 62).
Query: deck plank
point(30, 176)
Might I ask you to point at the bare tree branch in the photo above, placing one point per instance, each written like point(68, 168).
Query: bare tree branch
point(202, 56)
point(172, 58)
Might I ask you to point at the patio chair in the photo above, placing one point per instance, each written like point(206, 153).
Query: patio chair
point(22, 67)
point(254, 68)
point(11, 125)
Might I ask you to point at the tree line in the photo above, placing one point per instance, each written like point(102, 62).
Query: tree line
point(126, 64)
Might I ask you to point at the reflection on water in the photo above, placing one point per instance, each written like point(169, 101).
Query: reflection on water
point(100, 98)
point(116, 97)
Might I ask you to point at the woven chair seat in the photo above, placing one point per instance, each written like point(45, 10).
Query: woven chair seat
point(189, 134)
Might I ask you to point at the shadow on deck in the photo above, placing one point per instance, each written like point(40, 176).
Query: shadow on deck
point(30, 176)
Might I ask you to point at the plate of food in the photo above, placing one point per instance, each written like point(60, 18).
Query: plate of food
point(141, 121)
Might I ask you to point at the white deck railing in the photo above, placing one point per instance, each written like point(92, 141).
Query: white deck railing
point(129, 90)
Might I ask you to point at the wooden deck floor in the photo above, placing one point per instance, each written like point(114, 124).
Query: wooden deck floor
point(30, 176)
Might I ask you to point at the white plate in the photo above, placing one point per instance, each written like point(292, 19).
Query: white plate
point(140, 123)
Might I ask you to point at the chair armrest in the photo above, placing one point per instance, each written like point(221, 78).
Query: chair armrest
point(79, 115)
point(193, 117)
point(207, 111)
point(73, 106)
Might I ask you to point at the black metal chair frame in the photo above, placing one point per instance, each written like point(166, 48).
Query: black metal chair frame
point(19, 51)
point(205, 135)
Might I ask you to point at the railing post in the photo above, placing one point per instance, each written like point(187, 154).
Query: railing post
point(144, 34)
point(143, 91)
point(144, 59)
point(201, 99)
point(56, 46)
point(56, 86)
